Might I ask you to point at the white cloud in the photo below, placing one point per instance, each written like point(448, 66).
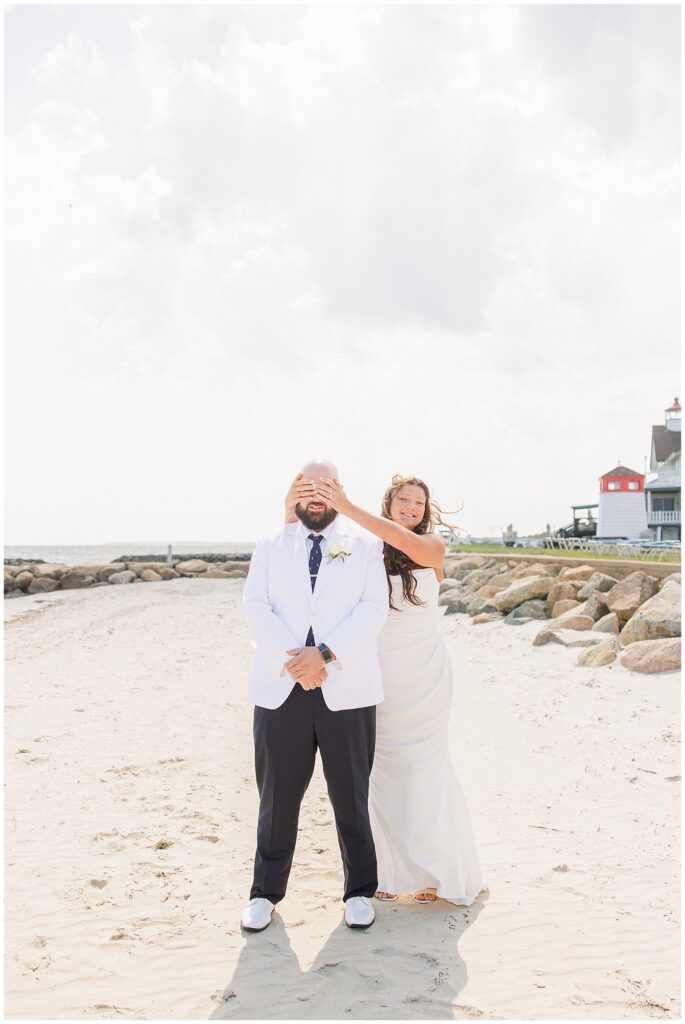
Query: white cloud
point(75, 59)
point(437, 239)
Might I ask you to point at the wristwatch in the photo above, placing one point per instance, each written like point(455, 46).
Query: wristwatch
point(326, 653)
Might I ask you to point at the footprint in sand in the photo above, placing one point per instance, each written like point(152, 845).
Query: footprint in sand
point(31, 959)
point(113, 847)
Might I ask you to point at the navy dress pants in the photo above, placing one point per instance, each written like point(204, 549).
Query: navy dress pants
point(286, 740)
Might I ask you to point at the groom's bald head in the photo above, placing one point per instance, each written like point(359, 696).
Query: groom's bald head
point(317, 468)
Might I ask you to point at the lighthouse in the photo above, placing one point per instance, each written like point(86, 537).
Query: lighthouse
point(622, 509)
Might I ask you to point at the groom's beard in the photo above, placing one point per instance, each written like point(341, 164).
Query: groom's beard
point(318, 521)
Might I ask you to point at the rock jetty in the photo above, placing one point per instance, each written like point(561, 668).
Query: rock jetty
point(633, 616)
point(23, 577)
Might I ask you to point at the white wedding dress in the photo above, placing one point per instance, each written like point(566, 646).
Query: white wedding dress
point(419, 815)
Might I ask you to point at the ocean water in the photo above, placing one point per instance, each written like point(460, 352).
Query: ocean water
point(96, 554)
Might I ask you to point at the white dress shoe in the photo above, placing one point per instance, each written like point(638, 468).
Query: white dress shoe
point(359, 912)
point(257, 914)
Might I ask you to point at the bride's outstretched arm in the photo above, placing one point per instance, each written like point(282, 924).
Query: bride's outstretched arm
point(426, 549)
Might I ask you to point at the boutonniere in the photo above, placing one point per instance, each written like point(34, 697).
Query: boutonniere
point(336, 551)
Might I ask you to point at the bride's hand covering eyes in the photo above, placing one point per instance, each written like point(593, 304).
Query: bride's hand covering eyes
point(332, 492)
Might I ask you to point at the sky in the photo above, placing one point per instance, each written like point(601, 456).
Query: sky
point(432, 240)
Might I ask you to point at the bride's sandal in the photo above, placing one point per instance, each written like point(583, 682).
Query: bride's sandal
point(386, 896)
point(429, 893)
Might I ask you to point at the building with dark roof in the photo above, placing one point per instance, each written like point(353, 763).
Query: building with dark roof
point(662, 483)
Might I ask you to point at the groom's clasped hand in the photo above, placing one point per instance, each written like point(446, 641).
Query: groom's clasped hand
point(306, 667)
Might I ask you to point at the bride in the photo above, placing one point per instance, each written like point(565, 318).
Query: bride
point(419, 816)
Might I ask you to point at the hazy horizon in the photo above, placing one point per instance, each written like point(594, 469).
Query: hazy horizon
point(437, 240)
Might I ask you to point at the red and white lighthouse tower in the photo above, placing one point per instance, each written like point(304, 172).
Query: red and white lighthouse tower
point(622, 509)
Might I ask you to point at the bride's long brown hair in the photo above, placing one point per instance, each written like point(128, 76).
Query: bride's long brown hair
point(396, 562)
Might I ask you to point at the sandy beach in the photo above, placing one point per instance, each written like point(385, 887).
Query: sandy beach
point(131, 813)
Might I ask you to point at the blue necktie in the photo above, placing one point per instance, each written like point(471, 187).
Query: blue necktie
point(314, 563)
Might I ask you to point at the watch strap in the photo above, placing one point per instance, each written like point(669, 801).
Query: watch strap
point(325, 652)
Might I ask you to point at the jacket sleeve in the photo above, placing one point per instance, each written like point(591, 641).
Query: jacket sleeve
point(367, 617)
point(269, 634)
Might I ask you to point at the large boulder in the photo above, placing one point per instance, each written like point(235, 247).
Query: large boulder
point(50, 570)
point(650, 656)
point(125, 576)
point(561, 620)
point(598, 581)
point(576, 572)
point(447, 585)
point(486, 617)
point(565, 637)
point(110, 570)
point(468, 562)
point(150, 576)
point(608, 624)
point(498, 582)
point(192, 566)
point(453, 572)
point(601, 654)
point(673, 578)
point(456, 607)
point(96, 569)
point(242, 567)
point(628, 594)
point(522, 590)
point(596, 605)
point(477, 604)
point(533, 609)
point(75, 579)
point(167, 573)
point(137, 567)
point(476, 579)
point(577, 621)
point(23, 580)
point(534, 570)
point(43, 586)
point(564, 591)
point(657, 618)
point(560, 607)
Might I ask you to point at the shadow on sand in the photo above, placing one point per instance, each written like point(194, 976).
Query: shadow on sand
point(406, 966)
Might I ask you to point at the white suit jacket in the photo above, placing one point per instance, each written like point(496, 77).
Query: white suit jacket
point(346, 611)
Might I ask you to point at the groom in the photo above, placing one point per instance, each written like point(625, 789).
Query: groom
point(314, 600)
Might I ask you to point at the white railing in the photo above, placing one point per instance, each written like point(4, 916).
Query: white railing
point(660, 518)
point(661, 479)
point(652, 550)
